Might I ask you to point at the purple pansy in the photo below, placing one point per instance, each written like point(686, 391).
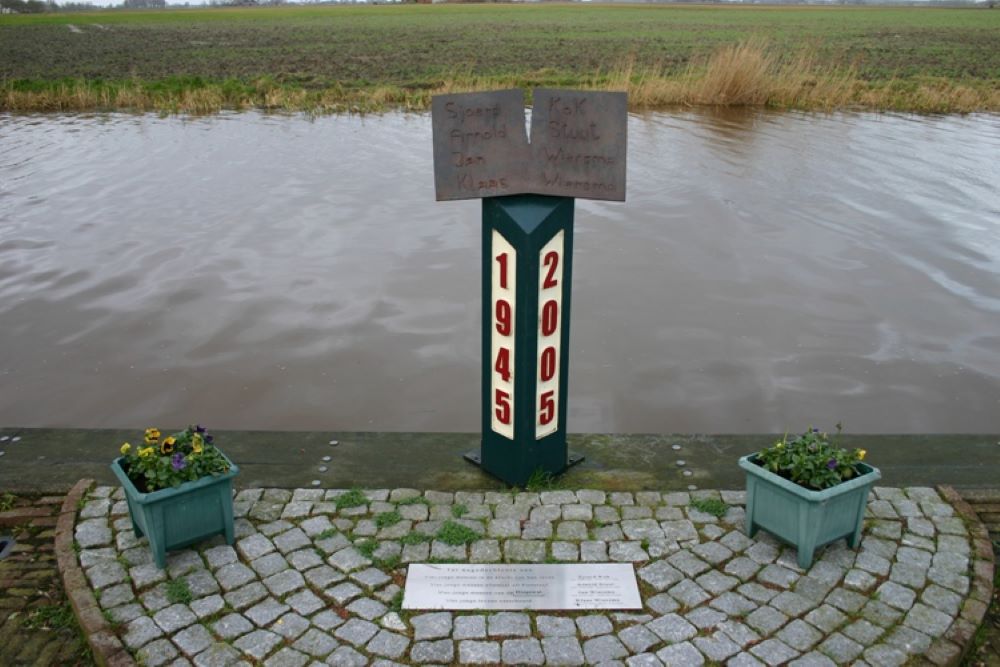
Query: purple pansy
point(178, 462)
point(831, 464)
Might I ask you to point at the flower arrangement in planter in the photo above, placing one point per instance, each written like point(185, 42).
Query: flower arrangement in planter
point(808, 492)
point(179, 489)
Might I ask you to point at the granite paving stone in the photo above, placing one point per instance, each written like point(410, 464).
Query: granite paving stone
point(522, 652)
point(717, 646)
point(471, 652)
point(221, 555)
point(258, 644)
point(562, 651)
point(509, 624)
point(638, 638)
point(345, 656)
point(193, 640)
point(356, 631)
point(840, 649)
point(174, 618)
point(319, 644)
point(672, 628)
point(441, 651)
point(290, 626)
point(431, 626)
point(593, 625)
point(469, 627)
point(232, 626)
point(388, 644)
point(683, 654)
point(774, 652)
point(270, 564)
point(555, 626)
point(294, 590)
point(287, 657)
point(603, 648)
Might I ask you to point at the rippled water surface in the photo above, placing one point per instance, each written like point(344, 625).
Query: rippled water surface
point(768, 271)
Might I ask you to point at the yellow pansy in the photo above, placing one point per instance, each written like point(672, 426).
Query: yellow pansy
point(196, 443)
point(861, 454)
point(152, 436)
point(147, 451)
point(167, 446)
point(126, 448)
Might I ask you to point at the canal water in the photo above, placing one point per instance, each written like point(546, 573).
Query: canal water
point(768, 271)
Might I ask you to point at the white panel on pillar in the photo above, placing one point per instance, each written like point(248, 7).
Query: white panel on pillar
point(504, 275)
point(550, 315)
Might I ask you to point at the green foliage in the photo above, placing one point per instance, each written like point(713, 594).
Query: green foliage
point(353, 498)
point(51, 617)
point(386, 519)
point(110, 619)
point(160, 463)
point(397, 602)
point(541, 481)
point(459, 510)
point(415, 538)
point(811, 460)
point(712, 506)
point(7, 502)
point(390, 563)
point(327, 534)
point(455, 533)
point(178, 591)
point(419, 500)
point(366, 548)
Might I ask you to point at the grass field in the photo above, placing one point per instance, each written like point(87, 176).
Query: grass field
point(339, 58)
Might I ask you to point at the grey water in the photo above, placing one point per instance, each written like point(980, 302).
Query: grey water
point(768, 271)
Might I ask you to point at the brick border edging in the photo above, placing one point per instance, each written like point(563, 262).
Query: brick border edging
point(107, 649)
point(950, 649)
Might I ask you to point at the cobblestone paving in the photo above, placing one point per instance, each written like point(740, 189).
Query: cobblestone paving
point(313, 579)
point(37, 626)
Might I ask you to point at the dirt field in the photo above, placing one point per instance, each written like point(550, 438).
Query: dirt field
point(392, 55)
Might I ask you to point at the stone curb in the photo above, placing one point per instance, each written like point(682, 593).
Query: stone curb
point(107, 649)
point(951, 649)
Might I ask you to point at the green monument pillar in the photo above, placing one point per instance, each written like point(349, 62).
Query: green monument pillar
point(527, 279)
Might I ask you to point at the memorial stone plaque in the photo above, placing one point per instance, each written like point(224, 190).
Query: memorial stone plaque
point(492, 586)
point(577, 149)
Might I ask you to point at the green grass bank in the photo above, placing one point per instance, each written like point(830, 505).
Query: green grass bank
point(362, 58)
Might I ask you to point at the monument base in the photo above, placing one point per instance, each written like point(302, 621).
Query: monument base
point(572, 458)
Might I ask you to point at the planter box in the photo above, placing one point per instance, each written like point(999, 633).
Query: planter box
point(177, 517)
point(804, 518)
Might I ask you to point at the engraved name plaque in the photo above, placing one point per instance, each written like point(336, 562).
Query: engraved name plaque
point(577, 149)
point(492, 586)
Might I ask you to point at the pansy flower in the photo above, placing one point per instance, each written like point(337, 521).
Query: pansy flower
point(167, 446)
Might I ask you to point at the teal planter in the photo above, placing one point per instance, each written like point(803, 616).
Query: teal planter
point(804, 518)
point(177, 517)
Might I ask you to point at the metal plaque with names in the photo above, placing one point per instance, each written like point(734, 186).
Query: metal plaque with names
point(577, 148)
point(495, 586)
